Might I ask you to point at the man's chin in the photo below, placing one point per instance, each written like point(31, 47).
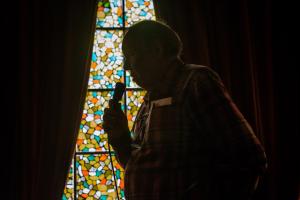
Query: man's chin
point(143, 85)
point(138, 83)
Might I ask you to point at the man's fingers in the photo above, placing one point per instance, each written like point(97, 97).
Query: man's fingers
point(109, 117)
point(108, 114)
point(114, 106)
point(113, 120)
point(106, 126)
point(110, 111)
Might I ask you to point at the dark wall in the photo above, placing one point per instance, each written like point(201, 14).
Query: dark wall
point(286, 87)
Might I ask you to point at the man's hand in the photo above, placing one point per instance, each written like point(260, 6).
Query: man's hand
point(115, 123)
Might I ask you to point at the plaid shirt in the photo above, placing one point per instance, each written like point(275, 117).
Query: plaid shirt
point(191, 142)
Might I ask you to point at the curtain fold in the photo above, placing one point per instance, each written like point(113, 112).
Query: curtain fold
point(234, 38)
point(56, 44)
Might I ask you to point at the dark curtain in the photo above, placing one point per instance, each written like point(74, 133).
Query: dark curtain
point(235, 37)
point(56, 40)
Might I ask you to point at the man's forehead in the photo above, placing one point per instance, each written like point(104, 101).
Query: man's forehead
point(128, 47)
point(133, 45)
point(129, 51)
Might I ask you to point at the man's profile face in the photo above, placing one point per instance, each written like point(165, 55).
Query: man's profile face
point(144, 66)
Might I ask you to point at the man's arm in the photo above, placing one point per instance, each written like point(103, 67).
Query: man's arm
point(218, 116)
point(115, 124)
point(123, 148)
point(237, 155)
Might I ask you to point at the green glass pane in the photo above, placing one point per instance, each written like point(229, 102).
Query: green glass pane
point(137, 10)
point(106, 65)
point(134, 101)
point(109, 13)
point(94, 177)
point(91, 135)
point(69, 187)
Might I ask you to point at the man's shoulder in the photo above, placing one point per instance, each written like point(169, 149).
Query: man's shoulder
point(195, 67)
point(201, 71)
point(193, 76)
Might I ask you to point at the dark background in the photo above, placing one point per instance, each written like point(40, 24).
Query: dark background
point(250, 43)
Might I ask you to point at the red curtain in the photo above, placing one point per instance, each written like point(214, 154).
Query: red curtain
point(236, 38)
point(56, 44)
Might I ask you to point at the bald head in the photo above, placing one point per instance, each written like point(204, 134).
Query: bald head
point(149, 47)
point(145, 34)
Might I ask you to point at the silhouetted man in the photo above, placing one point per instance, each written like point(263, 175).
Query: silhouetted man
point(189, 141)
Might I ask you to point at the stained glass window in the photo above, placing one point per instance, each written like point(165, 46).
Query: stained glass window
point(95, 172)
point(106, 64)
point(136, 10)
point(69, 188)
point(94, 177)
point(109, 13)
point(91, 136)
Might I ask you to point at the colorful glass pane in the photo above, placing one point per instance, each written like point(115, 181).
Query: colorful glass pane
point(137, 10)
point(109, 13)
point(106, 65)
point(129, 82)
point(94, 177)
point(69, 187)
point(119, 174)
point(91, 135)
point(134, 101)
